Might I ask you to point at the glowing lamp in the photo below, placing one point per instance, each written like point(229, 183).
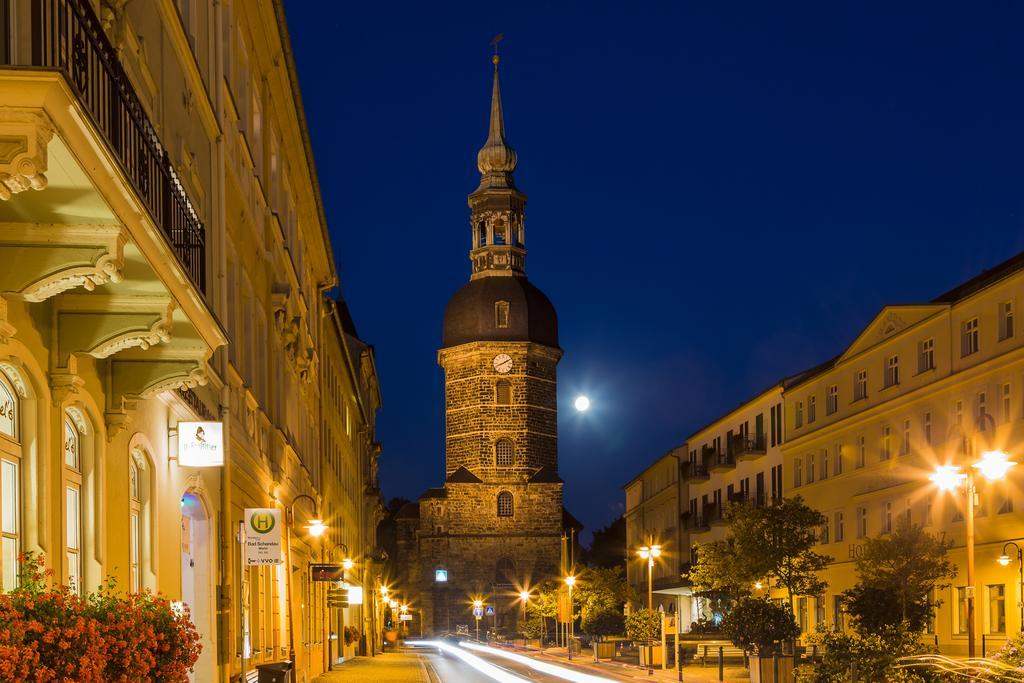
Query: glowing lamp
point(570, 581)
point(1004, 560)
point(403, 608)
point(393, 604)
point(757, 585)
point(478, 603)
point(524, 596)
point(316, 528)
point(994, 465)
point(347, 563)
point(947, 477)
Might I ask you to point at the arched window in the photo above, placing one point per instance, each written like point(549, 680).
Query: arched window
point(504, 453)
point(503, 392)
point(481, 231)
point(505, 504)
point(135, 523)
point(501, 314)
point(73, 502)
point(505, 571)
point(10, 484)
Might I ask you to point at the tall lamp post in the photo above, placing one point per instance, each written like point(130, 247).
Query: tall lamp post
point(478, 607)
point(649, 552)
point(993, 465)
point(316, 529)
point(1004, 560)
point(525, 597)
point(570, 581)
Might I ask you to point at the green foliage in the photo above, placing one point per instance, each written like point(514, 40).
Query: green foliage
point(535, 626)
point(643, 625)
point(721, 575)
point(607, 545)
point(778, 541)
point(546, 601)
point(898, 574)
point(875, 655)
point(603, 623)
point(759, 625)
point(1012, 653)
point(599, 590)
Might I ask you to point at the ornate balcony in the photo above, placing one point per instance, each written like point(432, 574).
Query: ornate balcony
point(694, 472)
point(749, 447)
point(719, 462)
point(66, 36)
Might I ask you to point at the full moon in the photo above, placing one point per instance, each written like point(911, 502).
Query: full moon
point(582, 403)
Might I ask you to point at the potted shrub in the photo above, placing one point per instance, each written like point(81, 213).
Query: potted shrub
point(760, 627)
point(603, 623)
point(643, 627)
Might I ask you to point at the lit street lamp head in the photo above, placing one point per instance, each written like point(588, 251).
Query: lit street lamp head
point(524, 596)
point(347, 563)
point(947, 477)
point(994, 465)
point(1004, 560)
point(316, 528)
point(478, 603)
point(570, 581)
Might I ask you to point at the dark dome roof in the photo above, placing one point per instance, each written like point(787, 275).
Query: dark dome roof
point(470, 314)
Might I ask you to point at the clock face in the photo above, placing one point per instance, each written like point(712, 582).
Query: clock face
point(503, 363)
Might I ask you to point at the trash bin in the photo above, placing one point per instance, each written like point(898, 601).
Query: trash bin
point(276, 672)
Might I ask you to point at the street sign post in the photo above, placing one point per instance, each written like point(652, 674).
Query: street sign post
point(262, 536)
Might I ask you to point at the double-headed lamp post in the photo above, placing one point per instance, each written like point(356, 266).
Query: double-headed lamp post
point(570, 581)
point(993, 465)
point(1004, 560)
point(649, 552)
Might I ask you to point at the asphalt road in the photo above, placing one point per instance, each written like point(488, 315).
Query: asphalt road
point(446, 667)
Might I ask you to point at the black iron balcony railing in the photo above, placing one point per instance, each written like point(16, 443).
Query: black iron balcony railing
point(694, 471)
point(744, 446)
point(67, 36)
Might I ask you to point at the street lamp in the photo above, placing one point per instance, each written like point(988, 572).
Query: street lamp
point(1004, 560)
point(993, 465)
point(649, 552)
point(570, 581)
point(316, 528)
point(525, 597)
point(478, 609)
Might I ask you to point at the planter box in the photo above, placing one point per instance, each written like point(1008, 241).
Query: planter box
point(604, 650)
point(762, 669)
point(650, 655)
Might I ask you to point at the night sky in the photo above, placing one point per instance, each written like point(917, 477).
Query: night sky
point(720, 193)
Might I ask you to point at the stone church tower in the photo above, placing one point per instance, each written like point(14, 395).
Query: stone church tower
point(496, 524)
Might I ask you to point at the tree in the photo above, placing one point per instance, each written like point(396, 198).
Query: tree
point(760, 625)
point(607, 546)
point(721, 576)
point(603, 623)
point(601, 590)
point(777, 541)
point(898, 575)
point(643, 625)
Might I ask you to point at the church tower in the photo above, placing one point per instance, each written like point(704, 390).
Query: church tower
point(495, 527)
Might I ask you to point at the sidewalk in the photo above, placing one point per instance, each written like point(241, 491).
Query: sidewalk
point(691, 674)
point(395, 667)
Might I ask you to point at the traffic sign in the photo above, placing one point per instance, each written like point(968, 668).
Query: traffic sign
point(489, 611)
point(405, 617)
point(337, 597)
point(478, 612)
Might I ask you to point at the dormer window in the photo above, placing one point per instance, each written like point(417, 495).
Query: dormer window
point(501, 314)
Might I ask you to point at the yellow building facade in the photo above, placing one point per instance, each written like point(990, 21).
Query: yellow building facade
point(865, 433)
point(165, 257)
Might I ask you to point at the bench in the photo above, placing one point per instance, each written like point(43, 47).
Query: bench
point(707, 651)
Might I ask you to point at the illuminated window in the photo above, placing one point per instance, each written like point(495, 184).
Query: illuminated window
point(504, 453)
point(504, 504)
point(997, 608)
point(503, 392)
point(892, 371)
point(10, 484)
point(501, 314)
point(969, 337)
point(73, 504)
point(862, 522)
point(860, 385)
point(926, 355)
point(135, 523)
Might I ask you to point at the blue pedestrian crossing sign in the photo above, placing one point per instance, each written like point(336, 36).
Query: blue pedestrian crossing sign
point(489, 611)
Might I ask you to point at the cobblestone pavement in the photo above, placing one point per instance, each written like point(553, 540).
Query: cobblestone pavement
point(389, 668)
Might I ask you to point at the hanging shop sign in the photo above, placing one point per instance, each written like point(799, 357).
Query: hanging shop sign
point(262, 536)
point(200, 444)
point(441, 575)
point(322, 573)
point(355, 595)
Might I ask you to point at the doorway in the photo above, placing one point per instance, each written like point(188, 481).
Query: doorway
point(196, 581)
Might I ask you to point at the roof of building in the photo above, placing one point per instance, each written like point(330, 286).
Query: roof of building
point(408, 511)
point(570, 522)
point(435, 492)
point(546, 475)
point(982, 280)
point(462, 476)
point(470, 315)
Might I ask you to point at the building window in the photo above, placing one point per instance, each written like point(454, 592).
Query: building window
point(801, 608)
point(861, 450)
point(823, 534)
point(798, 415)
point(824, 463)
point(926, 355)
point(832, 399)
point(840, 527)
point(503, 392)
point(838, 469)
point(504, 453)
point(886, 443)
point(812, 409)
point(862, 522)
point(501, 314)
point(928, 511)
point(860, 385)
point(887, 517)
point(969, 337)
point(10, 485)
point(819, 609)
point(961, 609)
point(1005, 320)
point(837, 612)
point(135, 524)
point(892, 371)
point(810, 468)
point(504, 504)
point(1007, 406)
point(73, 504)
point(928, 427)
point(798, 467)
point(905, 441)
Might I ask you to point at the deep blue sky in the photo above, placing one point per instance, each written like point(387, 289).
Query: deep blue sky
point(720, 193)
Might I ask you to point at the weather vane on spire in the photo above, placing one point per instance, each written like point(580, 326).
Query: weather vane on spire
point(494, 41)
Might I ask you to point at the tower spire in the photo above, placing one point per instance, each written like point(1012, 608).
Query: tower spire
point(496, 158)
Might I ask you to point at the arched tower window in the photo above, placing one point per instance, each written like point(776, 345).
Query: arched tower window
point(10, 484)
point(505, 571)
point(504, 454)
point(481, 234)
point(73, 502)
point(499, 231)
point(505, 507)
point(503, 392)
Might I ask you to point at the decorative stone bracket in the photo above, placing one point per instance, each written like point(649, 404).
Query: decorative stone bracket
point(43, 260)
point(102, 325)
point(24, 136)
point(131, 380)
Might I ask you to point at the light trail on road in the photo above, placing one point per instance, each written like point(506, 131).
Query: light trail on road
point(542, 667)
point(472, 660)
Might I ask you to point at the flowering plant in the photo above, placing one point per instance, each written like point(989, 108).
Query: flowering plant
point(49, 633)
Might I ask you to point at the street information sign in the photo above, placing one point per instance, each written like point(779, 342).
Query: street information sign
point(322, 573)
point(489, 611)
point(262, 536)
point(405, 617)
point(478, 612)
